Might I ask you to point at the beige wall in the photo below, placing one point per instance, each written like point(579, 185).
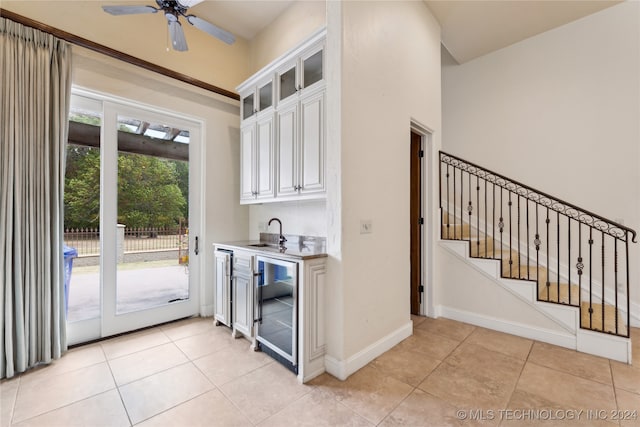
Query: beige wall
point(390, 74)
point(300, 20)
point(207, 59)
point(559, 112)
point(223, 218)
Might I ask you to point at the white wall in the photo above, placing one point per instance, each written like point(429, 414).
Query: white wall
point(559, 112)
point(223, 217)
point(390, 74)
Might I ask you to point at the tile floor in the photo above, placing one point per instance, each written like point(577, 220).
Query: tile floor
point(191, 373)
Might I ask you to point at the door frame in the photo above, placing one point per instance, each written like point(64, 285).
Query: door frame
point(427, 299)
point(112, 106)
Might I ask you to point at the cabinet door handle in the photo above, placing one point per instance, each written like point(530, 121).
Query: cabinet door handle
point(196, 249)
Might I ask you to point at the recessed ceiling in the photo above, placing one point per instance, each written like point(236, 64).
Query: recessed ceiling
point(474, 28)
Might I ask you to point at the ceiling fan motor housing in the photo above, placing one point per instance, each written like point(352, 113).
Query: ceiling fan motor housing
point(172, 7)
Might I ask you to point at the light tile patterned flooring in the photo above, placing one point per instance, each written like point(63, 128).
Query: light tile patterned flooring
point(191, 373)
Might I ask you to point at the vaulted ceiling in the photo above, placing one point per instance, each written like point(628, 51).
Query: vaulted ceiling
point(474, 28)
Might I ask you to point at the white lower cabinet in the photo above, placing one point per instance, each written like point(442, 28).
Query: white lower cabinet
point(243, 294)
point(235, 303)
point(311, 318)
point(222, 292)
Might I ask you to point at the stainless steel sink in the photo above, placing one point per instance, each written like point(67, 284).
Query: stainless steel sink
point(260, 245)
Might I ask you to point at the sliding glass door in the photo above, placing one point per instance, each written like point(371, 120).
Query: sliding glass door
point(146, 223)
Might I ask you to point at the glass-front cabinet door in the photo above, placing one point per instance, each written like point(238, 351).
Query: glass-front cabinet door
point(248, 106)
point(312, 69)
point(306, 71)
point(265, 95)
point(287, 83)
point(276, 294)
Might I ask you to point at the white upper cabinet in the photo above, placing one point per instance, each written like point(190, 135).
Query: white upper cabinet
point(257, 142)
point(283, 127)
point(257, 159)
point(257, 99)
point(301, 73)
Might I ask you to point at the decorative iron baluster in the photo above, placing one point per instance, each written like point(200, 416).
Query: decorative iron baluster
point(448, 214)
point(580, 267)
point(519, 263)
point(486, 238)
point(558, 244)
point(615, 278)
point(547, 283)
point(537, 242)
point(510, 239)
point(454, 204)
point(493, 222)
point(461, 205)
point(470, 208)
point(626, 244)
point(569, 256)
point(603, 283)
point(501, 227)
point(478, 216)
point(528, 266)
point(590, 277)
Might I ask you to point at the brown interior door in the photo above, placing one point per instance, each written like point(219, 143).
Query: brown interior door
point(416, 220)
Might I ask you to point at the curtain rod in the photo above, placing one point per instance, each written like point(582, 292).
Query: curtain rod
point(88, 44)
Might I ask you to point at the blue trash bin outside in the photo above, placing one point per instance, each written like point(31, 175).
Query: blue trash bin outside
point(69, 255)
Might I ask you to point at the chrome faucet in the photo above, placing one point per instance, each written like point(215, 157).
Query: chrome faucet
point(281, 238)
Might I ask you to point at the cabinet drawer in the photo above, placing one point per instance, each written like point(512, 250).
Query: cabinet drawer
point(242, 263)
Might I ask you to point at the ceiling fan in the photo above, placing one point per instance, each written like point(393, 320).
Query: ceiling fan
point(173, 9)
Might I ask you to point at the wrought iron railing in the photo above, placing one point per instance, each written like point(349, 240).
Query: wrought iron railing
point(87, 240)
point(576, 257)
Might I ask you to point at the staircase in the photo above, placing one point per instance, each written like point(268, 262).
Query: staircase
point(576, 260)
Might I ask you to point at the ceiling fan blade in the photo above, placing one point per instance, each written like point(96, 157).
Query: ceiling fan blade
point(129, 10)
point(178, 40)
point(208, 27)
point(189, 3)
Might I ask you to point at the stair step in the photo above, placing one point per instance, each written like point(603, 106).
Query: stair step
point(513, 271)
point(483, 246)
point(596, 318)
point(550, 293)
point(456, 231)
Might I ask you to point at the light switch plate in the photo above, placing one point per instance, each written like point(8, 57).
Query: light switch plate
point(365, 226)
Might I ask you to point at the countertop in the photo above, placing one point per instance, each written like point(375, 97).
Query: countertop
point(294, 250)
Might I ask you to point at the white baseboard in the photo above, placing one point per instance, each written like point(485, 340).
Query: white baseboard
point(342, 369)
point(539, 334)
point(609, 346)
point(206, 310)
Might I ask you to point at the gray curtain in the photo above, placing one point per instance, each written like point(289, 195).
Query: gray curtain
point(35, 87)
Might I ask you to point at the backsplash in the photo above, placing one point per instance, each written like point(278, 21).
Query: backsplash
point(306, 218)
point(299, 242)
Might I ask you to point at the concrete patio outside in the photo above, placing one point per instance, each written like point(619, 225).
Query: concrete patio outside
point(141, 285)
